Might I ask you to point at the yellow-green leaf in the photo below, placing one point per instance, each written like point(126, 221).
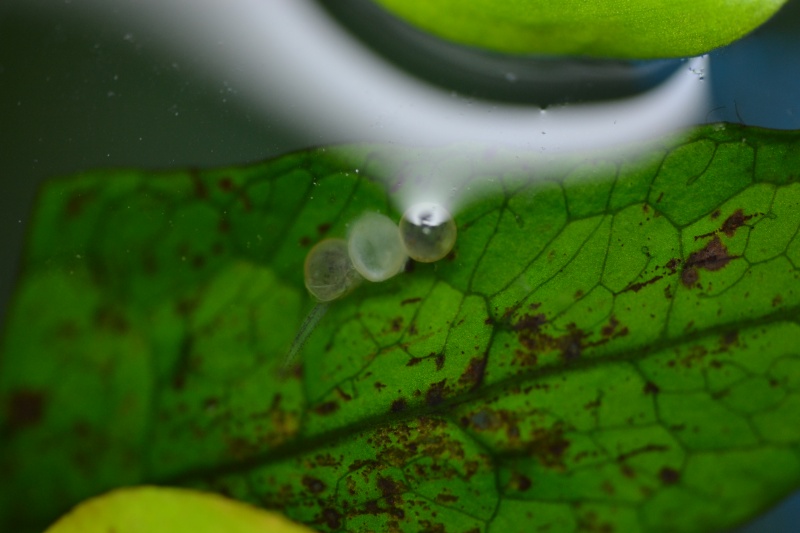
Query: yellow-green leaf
point(642, 29)
point(170, 510)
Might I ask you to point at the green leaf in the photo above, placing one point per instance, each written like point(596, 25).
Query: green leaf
point(167, 510)
point(617, 353)
point(645, 29)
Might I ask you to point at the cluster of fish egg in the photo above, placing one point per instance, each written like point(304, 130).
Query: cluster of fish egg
point(377, 249)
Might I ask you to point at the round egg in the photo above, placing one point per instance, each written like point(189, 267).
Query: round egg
point(329, 273)
point(428, 232)
point(375, 248)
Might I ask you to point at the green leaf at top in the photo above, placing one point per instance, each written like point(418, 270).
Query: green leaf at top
point(643, 29)
point(617, 354)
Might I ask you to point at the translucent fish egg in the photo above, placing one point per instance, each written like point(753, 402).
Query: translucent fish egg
point(375, 247)
point(428, 232)
point(329, 272)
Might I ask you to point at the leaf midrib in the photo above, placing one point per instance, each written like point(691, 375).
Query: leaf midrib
point(303, 445)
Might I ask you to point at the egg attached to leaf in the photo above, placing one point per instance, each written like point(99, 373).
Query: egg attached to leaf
point(428, 232)
point(375, 248)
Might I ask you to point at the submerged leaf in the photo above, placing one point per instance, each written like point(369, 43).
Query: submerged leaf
point(618, 354)
point(645, 29)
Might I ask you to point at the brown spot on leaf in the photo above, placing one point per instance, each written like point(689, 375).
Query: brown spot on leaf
point(594, 404)
point(669, 476)
point(322, 229)
point(731, 224)
point(715, 215)
point(651, 388)
point(331, 518)
point(570, 343)
point(734, 222)
point(530, 323)
point(225, 184)
point(410, 301)
point(435, 394)
point(609, 328)
point(729, 338)
point(314, 485)
point(536, 341)
point(305, 242)
point(713, 256)
point(473, 374)
point(343, 395)
point(388, 486)
point(396, 324)
point(689, 277)
point(636, 287)
point(520, 482)
point(549, 446)
point(77, 202)
point(211, 403)
point(608, 488)
point(444, 498)
point(650, 448)
point(326, 408)
point(399, 405)
point(673, 265)
point(25, 408)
